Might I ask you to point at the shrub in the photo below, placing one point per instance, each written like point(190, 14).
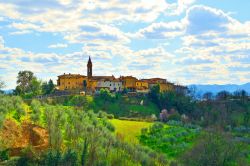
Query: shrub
point(35, 106)
point(213, 149)
point(175, 116)
point(4, 155)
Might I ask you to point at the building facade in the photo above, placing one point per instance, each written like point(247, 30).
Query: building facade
point(92, 84)
point(129, 83)
point(71, 81)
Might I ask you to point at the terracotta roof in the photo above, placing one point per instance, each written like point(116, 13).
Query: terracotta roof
point(71, 76)
point(141, 81)
point(103, 78)
point(123, 77)
point(154, 80)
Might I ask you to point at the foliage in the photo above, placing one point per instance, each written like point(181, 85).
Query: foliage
point(11, 105)
point(2, 85)
point(79, 101)
point(48, 87)
point(171, 100)
point(27, 85)
point(89, 139)
point(172, 140)
point(4, 155)
point(36, 110)
point(214, 149)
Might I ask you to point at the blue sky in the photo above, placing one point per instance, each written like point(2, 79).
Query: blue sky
point(184, 41)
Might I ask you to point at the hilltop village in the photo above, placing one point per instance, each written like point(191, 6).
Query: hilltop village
point(92, 84)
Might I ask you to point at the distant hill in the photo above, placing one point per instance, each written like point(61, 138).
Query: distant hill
point(8, 91)
point(201, 89)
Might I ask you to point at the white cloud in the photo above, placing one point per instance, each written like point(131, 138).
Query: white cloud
point(180, 6)
point(21, 32)
point(212, 42)
point(58, 45)
point(162, 30)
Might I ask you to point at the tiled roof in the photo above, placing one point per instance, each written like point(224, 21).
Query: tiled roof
point(110, 78)
point(71, 76)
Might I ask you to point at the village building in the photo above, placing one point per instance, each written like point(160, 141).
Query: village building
point(112, 84)
point(142, 86)
point(93, 84)
point(71, 81)
point(163, 83)
point(129, 83)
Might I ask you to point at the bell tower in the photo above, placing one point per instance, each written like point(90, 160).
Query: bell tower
point(89, 68)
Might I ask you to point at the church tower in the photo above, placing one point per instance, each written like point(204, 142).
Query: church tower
point(89, 68)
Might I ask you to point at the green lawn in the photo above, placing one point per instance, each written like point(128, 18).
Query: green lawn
point(129, 130)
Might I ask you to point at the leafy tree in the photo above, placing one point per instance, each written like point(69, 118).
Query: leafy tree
point(79, 101)
point(35, 87)
point(240, 94)
point(223, 95)
point(24, 80)
point(215, 149)
point(84, 85)
point(48, 87)
point(208, 96)
point(154, 94)
point(27, 84)
point(4, 155)
point(2, 85)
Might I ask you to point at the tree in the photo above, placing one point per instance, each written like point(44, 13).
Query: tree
point(35, 88)
point(154, 94)
point(215, 149)
point(223, 95)
point(241, 94)
point(48, 87)
point(84, 85)
point(208, 96)
point(105, 94)
point(2, 85)
point(27, 85)
point(24, 80)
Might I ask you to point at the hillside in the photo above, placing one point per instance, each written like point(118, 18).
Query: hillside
point(203, 88)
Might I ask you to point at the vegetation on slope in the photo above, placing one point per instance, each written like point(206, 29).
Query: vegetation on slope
point(172, 139)
point(79, 137)
point(129, 130)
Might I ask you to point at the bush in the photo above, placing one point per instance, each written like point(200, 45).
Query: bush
point(214, 149)
point(79, 101)
point(4, 155)
point(175, 116)
point(36, 112)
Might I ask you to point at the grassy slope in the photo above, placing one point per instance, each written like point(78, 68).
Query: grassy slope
point(125, 107)
point(129, 130)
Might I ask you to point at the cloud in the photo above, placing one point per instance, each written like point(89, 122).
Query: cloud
point(208, 41)
point(162, 30)
point(180, 6)
point(195, 61)
point(23, 32)
point(58, 45)
point(202, 19)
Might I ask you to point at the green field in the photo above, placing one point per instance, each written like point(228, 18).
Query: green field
point(172, 139)
point(129, 130)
